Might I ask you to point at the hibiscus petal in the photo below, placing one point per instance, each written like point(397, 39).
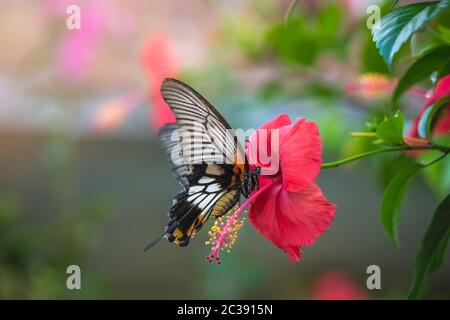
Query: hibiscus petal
point(254, 152)
point(303, 216)
point(278, 122)
point(441, 90)
point(291, 219)
point(300, 155)
point(263, 212)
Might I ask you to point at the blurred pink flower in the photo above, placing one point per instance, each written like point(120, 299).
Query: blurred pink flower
point(110, 115)
point(159, 63)
point(337, 285)
point(77, 47)
point(371, 86)
point(356, 8)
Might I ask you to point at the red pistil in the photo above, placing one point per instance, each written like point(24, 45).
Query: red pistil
point(215, 252)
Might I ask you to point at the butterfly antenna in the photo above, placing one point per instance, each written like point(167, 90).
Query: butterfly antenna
point(153, 243)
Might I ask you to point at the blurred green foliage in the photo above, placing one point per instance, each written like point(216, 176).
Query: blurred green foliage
point(302, 38)
point(35, 253)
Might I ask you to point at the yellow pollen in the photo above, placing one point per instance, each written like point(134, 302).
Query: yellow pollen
point(230, 236)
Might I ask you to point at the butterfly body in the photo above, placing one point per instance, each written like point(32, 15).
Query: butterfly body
point(205, 158)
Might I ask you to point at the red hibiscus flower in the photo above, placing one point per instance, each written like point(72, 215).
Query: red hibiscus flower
point(292, 213)
point(159, 63)
point(442, 125)
point(289, 208)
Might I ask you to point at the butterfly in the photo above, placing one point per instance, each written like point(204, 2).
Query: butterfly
point(207, 160)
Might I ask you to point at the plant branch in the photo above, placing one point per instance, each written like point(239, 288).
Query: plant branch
point(338, 163)
point(289, 11)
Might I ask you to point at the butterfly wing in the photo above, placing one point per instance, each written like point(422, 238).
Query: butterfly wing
point(170, 143)
point(214, 162)
point(199, 122)
point(210, 195)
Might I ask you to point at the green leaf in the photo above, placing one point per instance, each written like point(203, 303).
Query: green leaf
point(423, 42)
point(399, 24)
point(440, 255)
point(390, 165)
point(434, 59)
point(438, 175)
point(394, 3)
point(371, 61)
point(390, 131)
point(443, 33)
point(445, 70)
point(443, 141)
point(376, 118)
point(393, 197)
point(432, 251)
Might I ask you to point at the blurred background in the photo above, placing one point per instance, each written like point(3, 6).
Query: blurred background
point(83, 181)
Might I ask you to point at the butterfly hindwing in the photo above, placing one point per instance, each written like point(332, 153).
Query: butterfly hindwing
point(170, 143)
point(207, 195)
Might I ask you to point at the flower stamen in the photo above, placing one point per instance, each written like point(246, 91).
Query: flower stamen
point(229, 237)
point(224, 233)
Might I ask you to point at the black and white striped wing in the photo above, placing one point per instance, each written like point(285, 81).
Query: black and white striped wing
point(206, 197)
point(170, 143)
point(206, 137)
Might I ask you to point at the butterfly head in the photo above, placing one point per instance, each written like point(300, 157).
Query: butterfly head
point(251, 181)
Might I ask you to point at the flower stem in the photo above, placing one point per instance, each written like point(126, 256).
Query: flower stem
point(215, 252)
point(289, 11)
point(338, 163)
point(363, 134)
